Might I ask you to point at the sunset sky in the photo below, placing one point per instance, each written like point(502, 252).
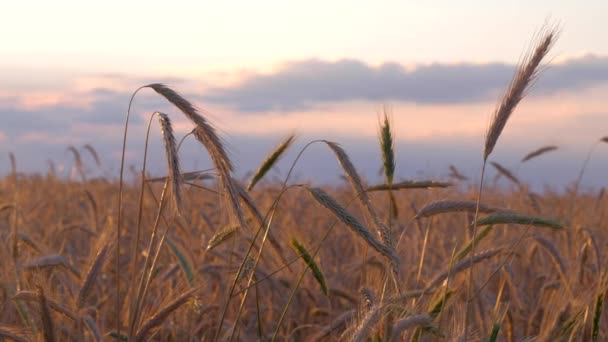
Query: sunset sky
point(262, 70)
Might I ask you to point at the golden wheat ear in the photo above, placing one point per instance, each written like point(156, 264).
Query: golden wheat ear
point(524, 78)
point(206, 134)
point(173, 169)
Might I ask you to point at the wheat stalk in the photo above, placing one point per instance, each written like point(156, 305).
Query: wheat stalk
point(526, 74)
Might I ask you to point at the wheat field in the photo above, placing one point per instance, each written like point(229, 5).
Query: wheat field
point(203, 256)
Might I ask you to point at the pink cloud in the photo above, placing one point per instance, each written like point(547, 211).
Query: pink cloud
point(42, 99)
point(46, 138)
point(537, 118)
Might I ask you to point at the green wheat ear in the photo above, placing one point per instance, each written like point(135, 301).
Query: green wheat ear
point(387, 147)
point(310, 262)
point(270, 161)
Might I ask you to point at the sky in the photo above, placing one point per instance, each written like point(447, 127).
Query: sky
point(262, 70)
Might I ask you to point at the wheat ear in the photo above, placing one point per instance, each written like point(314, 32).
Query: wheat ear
point(387, 147)
point(270, 161)
point(156, 319)
point(93, 153)
point(525, 76)
point(450, 206)
point(505, 172)
point(92, 274)
point(206, 134)
point(369, 321)
point(538, 152)
point(328, 202)
point(358, 188)
point(173, 168)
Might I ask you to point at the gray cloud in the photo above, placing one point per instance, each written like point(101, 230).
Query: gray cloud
point(299, 85)
point(108, 107)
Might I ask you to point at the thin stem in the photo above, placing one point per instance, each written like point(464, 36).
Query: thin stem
point(258, 311)
point(579, 179)
point(119, 220)
point(313, 254)
point(238, 274)
point(156, 255)
point(504, 262)
point(447, 285)
point(135, 246)
point(423, 252)
point(144, 279)
point(473, 246)
point(583, 168)
point(257, 260)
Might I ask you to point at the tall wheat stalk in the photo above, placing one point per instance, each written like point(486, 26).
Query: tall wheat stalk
point(525, 76)
point(173, 182)
point(205, 133)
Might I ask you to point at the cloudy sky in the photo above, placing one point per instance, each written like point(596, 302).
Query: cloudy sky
point(262, 70)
